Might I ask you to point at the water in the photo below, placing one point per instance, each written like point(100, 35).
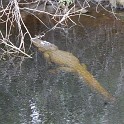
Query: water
point(30, 94)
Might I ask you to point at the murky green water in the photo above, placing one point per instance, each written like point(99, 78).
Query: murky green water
point(29, 94)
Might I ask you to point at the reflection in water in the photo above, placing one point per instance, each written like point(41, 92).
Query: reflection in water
point(35, 113)
point(120, 86)
point(29, 94)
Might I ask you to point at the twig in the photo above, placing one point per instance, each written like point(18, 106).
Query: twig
point(14, 47)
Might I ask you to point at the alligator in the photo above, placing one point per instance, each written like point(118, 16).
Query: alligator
point(68, 62)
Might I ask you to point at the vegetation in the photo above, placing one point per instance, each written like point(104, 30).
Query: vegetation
point(11, 17)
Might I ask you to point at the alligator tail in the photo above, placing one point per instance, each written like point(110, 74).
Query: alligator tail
point(94, 84)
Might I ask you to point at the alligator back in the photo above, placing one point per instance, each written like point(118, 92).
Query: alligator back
point(69, 60)
point(63, 58)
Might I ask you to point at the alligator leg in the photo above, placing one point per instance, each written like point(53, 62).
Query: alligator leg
point(62, 68)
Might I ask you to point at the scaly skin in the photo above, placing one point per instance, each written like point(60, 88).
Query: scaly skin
point(68, 62)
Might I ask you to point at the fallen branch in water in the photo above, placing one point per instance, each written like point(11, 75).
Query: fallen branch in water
point(12, 18)
point(13, 48)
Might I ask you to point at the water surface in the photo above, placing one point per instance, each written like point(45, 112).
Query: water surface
point(30, 94)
